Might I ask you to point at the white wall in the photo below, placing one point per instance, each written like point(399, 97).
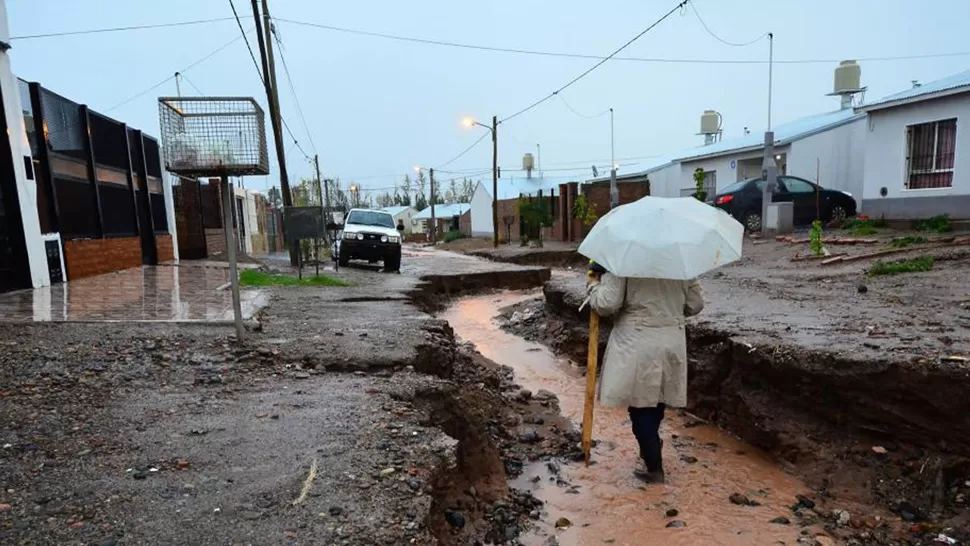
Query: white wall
point(665, 182)
point(167, 182)
point(405, 216)
point(838, 155)
point(726, 173)
point(20, 148)
point(481, 212)
point(885, 164)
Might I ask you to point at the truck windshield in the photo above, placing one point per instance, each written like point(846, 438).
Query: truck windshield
point(371, 218)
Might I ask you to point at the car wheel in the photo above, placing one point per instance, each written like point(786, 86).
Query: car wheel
point(752, 221)
point(343, 260)
point(838, 212)
point(392, 263)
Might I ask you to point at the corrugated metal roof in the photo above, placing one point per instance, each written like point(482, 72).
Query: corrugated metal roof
point(785, 133)
point(443, 211)
point(394, 211)
point(950, 83)
point(512, 187)
point(653, 165)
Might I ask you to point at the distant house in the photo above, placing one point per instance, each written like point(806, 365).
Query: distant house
point(917, 158)
point(403, 214)
point(509, 191)
point(446, 216)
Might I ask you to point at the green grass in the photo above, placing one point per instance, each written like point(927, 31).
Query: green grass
point(251, 277)
point(453, 236)
point(908, 240)
point(914, 265)
point(861, 228)
point(936, 224)
point(862, 231)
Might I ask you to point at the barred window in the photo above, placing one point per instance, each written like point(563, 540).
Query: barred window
point(932, 148)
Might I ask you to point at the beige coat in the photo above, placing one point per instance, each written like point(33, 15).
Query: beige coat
point(646, 358)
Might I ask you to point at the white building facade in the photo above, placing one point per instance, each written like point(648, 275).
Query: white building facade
point(917, 161)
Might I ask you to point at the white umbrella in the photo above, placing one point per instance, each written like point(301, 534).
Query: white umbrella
point(664, 238)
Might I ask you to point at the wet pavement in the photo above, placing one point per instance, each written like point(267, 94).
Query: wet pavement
point(705, 466)
point(185, 293)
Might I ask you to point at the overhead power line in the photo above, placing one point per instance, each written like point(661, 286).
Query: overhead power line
point(296, 98)
point(718, 38)
point(598, 64)
point(243, 32)
point(616, 58)
point(120, 29)
point(573, 110)
point(465, 151)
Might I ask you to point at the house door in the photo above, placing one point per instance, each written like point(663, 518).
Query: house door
point(14, 267)
point(187, 197)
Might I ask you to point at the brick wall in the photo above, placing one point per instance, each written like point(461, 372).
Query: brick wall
point(465, 223)
point(163, 245)
point(598, 194)
point(215, 241)
point(508, 208)
point(99, 256)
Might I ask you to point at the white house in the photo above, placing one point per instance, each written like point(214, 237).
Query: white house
point(917, 158)
point(403, 214)
point(824, 148)
point(508, 188)
point(444, 216)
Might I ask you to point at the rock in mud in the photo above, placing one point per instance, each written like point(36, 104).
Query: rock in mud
point(842, 517)
point(524, 395)
point(530, 436)
point(742, 500)
point(563, 523)
point(780, 520)
point(805, 501)
point(862, 289)
point(673, 513)
point(454, 519)
point(689, 459)
point(676, 524)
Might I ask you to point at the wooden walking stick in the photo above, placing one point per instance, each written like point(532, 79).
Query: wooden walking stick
point(591, 365)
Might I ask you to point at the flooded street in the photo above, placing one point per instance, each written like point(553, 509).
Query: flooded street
point(704, 465)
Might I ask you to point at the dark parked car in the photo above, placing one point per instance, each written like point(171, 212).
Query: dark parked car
point(742, 200)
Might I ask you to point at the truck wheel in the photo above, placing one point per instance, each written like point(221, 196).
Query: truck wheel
point(392, 263)
point(343, 260)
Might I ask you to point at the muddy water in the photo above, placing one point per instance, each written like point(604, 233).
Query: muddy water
point(610, 506)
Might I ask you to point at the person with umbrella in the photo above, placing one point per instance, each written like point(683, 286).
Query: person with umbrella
point(645, 260)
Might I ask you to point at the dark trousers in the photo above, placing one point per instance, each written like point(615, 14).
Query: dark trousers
point(646, 427)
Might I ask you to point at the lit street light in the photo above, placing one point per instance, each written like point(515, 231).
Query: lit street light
point(470, 122)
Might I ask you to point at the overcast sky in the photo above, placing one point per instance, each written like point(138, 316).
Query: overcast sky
point(377, 107)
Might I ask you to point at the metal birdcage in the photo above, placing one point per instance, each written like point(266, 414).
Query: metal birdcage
point(213, 136)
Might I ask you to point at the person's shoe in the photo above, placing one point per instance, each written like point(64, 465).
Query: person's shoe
point(649, 477)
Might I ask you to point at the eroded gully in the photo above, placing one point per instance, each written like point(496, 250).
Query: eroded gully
point(705, 466)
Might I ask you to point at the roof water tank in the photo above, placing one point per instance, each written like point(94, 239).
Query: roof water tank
point(528, 162)
point(848, 77)
point(710, 122)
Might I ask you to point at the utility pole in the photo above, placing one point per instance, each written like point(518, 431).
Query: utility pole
point(769, 168)
point(269, 81)
point(614, 191)
point(434, 225)
point(495, 180)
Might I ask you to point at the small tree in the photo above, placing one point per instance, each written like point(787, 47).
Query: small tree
point(467, 191)
point(699, 192)
point(584, 211)
point(815, 238)
point(274, 196)
point(536, 215)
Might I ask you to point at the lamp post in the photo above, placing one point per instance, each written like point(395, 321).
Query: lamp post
point(469, 122)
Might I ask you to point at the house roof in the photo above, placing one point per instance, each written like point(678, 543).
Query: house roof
point(394, 211)
point(512, 187)
point(957, 83)
point(443, 211)
point(654, 165)
point(785, 133)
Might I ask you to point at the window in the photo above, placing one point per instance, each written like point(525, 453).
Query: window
point(797, 185)
point(710, 186)
point(931, 148)
point(371, 218)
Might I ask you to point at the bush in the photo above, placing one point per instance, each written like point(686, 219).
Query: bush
point(453, 236)
point(859, 227)
point(936, 224)
point(914, 265)
point(908, 240)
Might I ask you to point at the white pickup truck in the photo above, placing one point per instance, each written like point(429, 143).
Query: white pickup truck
point(369, 235)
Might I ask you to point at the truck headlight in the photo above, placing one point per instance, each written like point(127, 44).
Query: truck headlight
point(394, 239)
point(384, 239)
point(350, 236)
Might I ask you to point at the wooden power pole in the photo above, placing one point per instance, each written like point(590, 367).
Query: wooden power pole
point(434, 225)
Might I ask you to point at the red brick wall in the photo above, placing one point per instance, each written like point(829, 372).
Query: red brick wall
point(465, 223)
point(99, 256)
point(163, 245)
point(508, 208)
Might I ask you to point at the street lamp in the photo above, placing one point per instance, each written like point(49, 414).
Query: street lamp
point(470, 122)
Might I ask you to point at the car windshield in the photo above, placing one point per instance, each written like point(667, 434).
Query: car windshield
point(371, 218)
point(736, 186)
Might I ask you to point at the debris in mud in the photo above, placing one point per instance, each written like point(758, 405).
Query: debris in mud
point(672, 513)
point(689, 459)
point(842, 517)
point(676, 524)
point(804, 502)
point(563, 523)
point(780, 520)
point(455, 519)
point(530, 436)
point(742, 500)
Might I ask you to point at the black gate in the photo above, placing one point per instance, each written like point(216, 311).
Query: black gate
point(14, 268)
point(187, 196)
